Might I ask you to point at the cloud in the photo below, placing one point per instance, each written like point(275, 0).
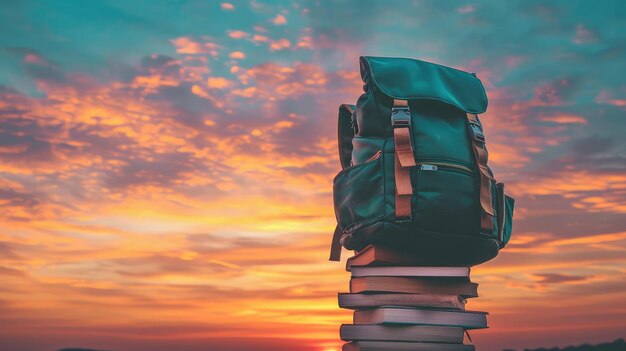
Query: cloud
point(605, 97)
point(177, 172)
point(556, 278)
point(555, 92)
point(280, 44)
point(237, 55)
point(186, 45)
point(584, 35)
point(218, 83)
point(238, 34)
point(279, 20)
point(227, 6)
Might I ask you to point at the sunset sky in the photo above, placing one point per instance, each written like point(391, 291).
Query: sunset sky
point(166, 167)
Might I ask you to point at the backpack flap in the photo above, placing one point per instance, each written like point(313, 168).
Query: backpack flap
point(409, 79)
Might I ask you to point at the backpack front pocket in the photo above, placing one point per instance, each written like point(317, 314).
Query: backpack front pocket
point(446, 199)
point(358, 193)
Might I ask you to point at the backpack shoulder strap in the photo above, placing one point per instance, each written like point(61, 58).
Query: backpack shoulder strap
point(345, 132)
point(335, 245)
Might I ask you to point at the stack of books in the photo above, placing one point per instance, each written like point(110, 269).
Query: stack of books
point(402, 306)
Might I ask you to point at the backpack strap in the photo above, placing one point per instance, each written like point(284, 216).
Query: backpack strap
point(500, 211)
point(335, 246)
point(346, 130)
point(404, 157)
point(481, 156)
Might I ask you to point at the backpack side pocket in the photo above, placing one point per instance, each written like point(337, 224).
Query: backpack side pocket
point(509, 204)
point(358, 193)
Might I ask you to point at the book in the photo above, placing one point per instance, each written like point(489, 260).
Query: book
point(395, 271)
point(414, 333)
point(414, 286)
point(362, 301)
point(399, 315)
point(374, 255)
point(404, 346)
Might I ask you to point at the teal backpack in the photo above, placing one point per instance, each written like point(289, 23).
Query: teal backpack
point(415, 174)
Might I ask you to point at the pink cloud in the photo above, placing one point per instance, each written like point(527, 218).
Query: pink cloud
point(257, 38)
point(514, 61)
point(279, 19)
point(606, 97)
point(237, 55)
point(305, 42)
point(552, 93)
point(187, 45)
point(465, 9)
point(35, 59)
point(584, 35)
point(565, 119)
point(280, 81)
point(238, 34)
point(280, 44)
point(227, 6)
point(246, 92)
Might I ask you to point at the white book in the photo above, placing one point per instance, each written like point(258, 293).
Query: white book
point(404, 346)
point(398, 271)
point(362, 301)
point(420, 316)
point(414, 333)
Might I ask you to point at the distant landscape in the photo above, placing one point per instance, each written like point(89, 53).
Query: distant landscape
point(617, 345)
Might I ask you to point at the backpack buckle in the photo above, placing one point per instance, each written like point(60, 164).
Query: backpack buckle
point(400, 117)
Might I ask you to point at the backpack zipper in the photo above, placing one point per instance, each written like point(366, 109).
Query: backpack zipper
point(433, 166)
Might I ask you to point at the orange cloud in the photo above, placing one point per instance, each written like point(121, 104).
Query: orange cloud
point(237, 55)
point(279, 19)
point(246, 92)
point(238, 34)
point(574, 181)
point(274, 81)
point(305, 42)
point(606, 97)
point(194, 195)
point(218, 83)
point(280, 44)
point(257, 38)
point(565, 119)
point(186, 45)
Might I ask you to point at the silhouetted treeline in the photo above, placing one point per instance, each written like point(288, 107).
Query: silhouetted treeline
point(617, 345)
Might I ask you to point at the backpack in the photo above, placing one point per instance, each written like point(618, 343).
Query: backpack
point(414, 167)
